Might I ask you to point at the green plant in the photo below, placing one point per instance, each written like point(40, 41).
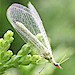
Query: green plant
point(25, 56)
point(9, 60)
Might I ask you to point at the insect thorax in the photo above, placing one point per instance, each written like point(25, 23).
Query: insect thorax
point(47, 56)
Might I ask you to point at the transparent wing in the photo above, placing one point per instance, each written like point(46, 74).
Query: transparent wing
point(17, 12)
point(39, 24)
point(29, 17)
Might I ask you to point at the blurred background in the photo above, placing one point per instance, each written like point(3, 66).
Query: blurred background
point(58, 17)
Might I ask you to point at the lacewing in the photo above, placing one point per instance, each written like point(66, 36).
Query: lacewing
point(26, 21)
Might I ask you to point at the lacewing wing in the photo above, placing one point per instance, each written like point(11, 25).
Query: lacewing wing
point(27, 22)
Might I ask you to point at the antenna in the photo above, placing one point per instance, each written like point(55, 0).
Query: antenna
point(63, 60)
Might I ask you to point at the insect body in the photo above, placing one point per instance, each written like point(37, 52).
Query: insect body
point(28, 24)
